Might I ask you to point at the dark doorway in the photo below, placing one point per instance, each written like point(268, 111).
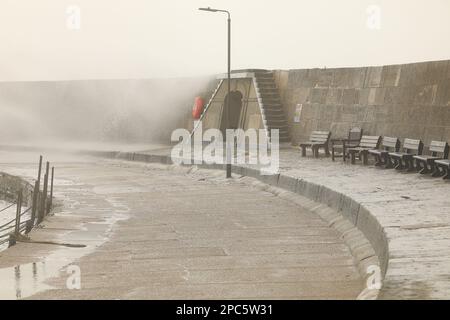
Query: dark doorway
point(233, 115)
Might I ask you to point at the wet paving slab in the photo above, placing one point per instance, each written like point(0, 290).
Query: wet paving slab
point(152, 233)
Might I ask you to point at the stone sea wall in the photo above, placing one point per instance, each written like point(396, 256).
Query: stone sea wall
point(405, 101)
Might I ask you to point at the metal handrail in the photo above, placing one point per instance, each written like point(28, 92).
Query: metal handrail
point(7, 207)
point(13, 220)
point(7, 224)
point(40, 207)
point(8, 228)
point(207, 107)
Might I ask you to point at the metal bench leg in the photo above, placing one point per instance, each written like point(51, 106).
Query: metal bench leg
point(437, 172)
point(432, 167)
point(364, 155)
point(332, 154)
point(378, 161)
point(388, 162)
point(399, 164)
point(447, 174)
point(423, 167)
point(353, 157)
point(303, 151)
point(410, 165)
point(407, 165)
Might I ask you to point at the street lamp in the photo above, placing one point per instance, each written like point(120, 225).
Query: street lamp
point(228, 148)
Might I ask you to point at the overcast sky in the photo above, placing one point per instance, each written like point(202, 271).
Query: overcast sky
point(39, 40)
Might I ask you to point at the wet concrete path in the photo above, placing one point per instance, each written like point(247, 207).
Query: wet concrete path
point(154, 233)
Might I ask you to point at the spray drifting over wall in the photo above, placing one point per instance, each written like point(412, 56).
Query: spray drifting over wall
point(97, 110)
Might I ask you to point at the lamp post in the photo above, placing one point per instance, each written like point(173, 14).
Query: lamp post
point(228, 146)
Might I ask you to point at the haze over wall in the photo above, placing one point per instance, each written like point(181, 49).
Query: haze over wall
point(97, 110)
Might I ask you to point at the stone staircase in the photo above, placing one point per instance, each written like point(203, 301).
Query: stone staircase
point(270, 102)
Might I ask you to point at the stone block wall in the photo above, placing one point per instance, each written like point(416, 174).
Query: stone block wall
point(10, 186)
point(411, 100)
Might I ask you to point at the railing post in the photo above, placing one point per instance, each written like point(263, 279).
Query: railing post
point(13, 237)
point(51, 191)
point(39, 211)
point(47, 175)
point(43, 197)
point(34, 208)
point(18, 212)
point(39, 171)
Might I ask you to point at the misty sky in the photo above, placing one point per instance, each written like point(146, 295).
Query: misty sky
point(170, 38)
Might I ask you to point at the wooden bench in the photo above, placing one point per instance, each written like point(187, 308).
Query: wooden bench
point(404, 160)
point(442, 168)
point(367, 143)
point(352, 141)
point(317, 140)
point(382, 158)
point(425, 163)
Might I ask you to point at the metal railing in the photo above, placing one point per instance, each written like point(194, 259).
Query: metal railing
point(26, 219)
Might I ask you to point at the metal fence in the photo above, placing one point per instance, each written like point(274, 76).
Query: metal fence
point(26, 219)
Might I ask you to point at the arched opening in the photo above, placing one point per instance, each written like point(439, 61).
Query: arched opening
point(231, 116)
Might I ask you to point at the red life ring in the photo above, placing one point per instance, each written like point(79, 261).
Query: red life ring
point(198, 108)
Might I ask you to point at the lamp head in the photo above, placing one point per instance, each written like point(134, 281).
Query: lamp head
point(208, 9)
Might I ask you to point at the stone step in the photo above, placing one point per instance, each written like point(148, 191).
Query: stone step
point(275, 122)
point(266, 86)
point(283, 129)
point(283, 138)
point(271, 101)
point(271, 92)
point(275, 117)
point(268, 95)
point(272, 106)
point(273, 111)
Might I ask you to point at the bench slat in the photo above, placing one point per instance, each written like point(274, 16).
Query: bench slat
point(355, 134)
point(369, 145)
point(412, 144)
point(391, 142)
point(370, 142)
point(320, 136)
point(438, 146)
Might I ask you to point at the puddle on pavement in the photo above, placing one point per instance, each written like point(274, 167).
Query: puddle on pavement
point(25, 280)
